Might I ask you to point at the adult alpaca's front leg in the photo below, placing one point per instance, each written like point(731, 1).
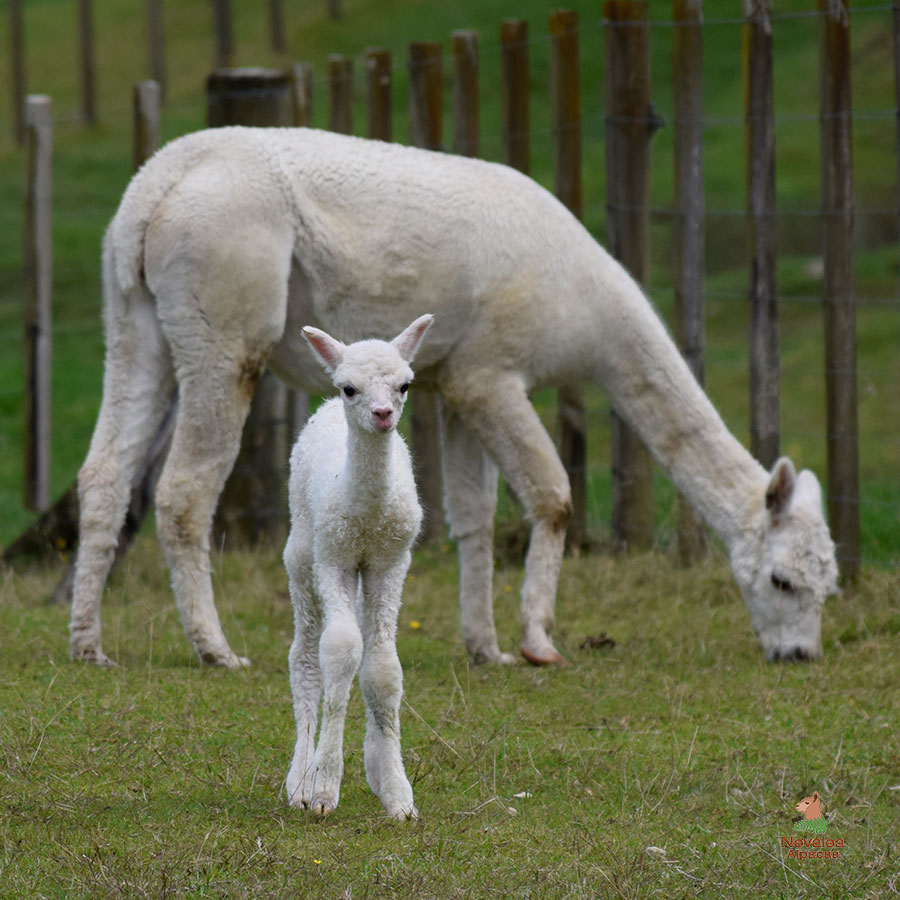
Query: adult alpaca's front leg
point(340, 653)
point(381, 683)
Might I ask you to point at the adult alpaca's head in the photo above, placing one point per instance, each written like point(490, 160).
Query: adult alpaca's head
point(373, 376)
point(785, 565)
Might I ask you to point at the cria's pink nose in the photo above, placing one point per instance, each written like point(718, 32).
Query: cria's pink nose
point(383, 415)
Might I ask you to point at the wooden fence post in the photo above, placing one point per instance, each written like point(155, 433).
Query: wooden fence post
point(759, 117)
point(156, 45)
point(276, 25)
point(253, 505)
point(840, 305)
point(378, 91)
point(38, 299)
point(466, 113)
point(340, 94)
point(565, 100)
point(17, 59)
point(302, 92)
point(628, 134)
point(514, 91)
point(426, 130)
point(88, 62)
point(147, 96)
point(224, 35)
point(690, 227)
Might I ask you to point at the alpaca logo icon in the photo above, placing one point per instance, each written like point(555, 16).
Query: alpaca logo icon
point(813, 820)
point(816, 846)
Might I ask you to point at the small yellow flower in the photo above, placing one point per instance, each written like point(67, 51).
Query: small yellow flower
point(415, 625)
point(318, 862)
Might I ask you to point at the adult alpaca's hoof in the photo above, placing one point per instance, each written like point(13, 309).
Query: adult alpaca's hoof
point(491, 656)
point(226, 659)
point(538, 649)
point(405, 814)
point(93, 655)
point(323, 804)
point(548, 659)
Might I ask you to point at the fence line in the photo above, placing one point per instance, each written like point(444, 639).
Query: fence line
point(515, 136)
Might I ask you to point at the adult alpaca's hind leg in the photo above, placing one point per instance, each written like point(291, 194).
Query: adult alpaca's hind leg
point(213, 402)
point(137, 390)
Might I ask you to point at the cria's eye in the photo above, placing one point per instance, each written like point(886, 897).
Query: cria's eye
point(404, 387)
point(782, 584)
point(349, 391)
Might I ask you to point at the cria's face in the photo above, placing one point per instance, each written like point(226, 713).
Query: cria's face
point(374, 387)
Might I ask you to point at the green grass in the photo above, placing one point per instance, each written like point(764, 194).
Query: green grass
point(164, 779)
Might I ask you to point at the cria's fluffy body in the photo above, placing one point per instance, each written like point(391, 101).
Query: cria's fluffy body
point(354, 517)
point(229, 240)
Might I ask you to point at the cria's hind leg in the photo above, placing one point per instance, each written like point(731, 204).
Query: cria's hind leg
point(497, 409)
point(212, 406)
point(137, 390)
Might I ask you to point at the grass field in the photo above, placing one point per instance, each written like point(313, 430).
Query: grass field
point(667, 764)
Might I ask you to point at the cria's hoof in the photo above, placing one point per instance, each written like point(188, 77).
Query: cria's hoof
point(544, 659)
point(407, 814)
point(323, 805)
point(225, 660)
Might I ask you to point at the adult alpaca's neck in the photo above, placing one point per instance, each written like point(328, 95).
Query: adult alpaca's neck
point(653, 388)
point(367, 470)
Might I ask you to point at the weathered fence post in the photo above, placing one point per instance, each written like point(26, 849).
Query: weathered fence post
point(759, 116)
point(690, 225)
point(340, 94)
point(302, 92)
point(156, 43)
point(253, 506)
point(276, 25)
point(146, 122)
point(224, 35)
point(840, 305)
point(17, 59)
point(378, 91)
point(88, 61)
point(38, 299)
point(514, 90)
point(565, 100)
point(628, 132)
point(466, 126)
point(426, 130)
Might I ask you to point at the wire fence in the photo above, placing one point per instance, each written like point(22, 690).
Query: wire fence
point(798, 219)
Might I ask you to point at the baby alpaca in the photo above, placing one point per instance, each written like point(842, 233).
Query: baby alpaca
point(354, 517)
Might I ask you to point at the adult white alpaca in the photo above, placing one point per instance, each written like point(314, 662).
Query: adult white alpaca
point(354, 517)
point(228, 240)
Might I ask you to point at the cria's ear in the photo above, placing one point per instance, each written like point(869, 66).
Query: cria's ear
point(328, 351)
point(407, 342)
point(781, 487)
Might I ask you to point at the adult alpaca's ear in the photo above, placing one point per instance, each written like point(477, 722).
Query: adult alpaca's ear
point(407, 342)
point(328, 351)
point(781, 488)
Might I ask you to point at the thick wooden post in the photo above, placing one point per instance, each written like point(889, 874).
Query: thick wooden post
point(146, 122)
point(840, 304)
point(628, 131)
point(426, 130)
point(340, 94)
point(378, 91)
point(466, 127)
point(156, 44)
point(759, 116)
point(253, 505)
point(38, 299)
point(302, 93)
point(88, 62)
point(17, 59)
point(565, 100)
point(690, 227)
point(514, 91)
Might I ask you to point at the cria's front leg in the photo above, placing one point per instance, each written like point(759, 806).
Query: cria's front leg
point(340, 653)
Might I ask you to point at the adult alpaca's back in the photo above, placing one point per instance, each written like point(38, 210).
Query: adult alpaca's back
point(230, 240)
